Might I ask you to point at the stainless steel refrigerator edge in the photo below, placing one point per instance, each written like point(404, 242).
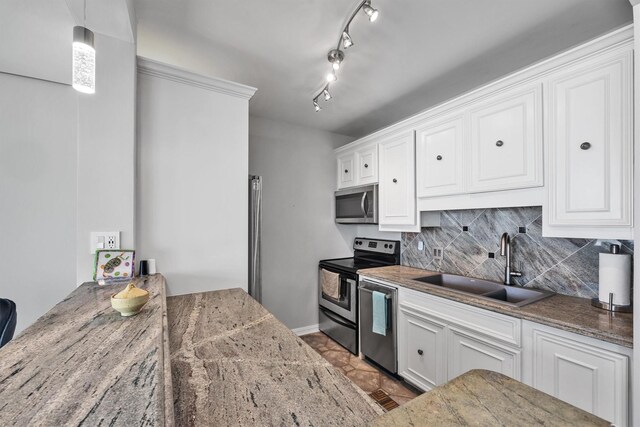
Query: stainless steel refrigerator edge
point(255, 237)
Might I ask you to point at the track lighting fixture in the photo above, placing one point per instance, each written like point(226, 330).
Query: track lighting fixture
point(325, 92)
point(371, 12)
point(347, 42)
point(336, 56)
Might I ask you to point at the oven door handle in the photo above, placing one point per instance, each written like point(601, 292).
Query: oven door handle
point(335, 319)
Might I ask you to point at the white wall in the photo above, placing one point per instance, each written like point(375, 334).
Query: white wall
point(38, 148)
point(106, 151)
point(66, 159)
point(298, 168)
point(192, 213)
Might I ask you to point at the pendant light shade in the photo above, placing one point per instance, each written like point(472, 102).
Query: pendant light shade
point(84, 61)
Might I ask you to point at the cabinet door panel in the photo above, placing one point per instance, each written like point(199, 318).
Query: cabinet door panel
point(467, 352)
point(584, 376)
point(422, 347)
point(346, 173)
point(590, 153)
point(506, 142)
point(397, 180)
point(368, 165)
point(439, 158)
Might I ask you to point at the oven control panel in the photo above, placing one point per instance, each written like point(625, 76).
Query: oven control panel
point(376, 245)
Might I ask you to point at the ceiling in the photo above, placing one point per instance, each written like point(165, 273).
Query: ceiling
point(419, 52)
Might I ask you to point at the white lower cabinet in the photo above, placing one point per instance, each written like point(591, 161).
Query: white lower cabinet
point(587, 373)
point(439, 339)
point(469, 351)
point(423, 340)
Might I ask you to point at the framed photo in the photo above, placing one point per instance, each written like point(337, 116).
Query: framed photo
point(114, 264)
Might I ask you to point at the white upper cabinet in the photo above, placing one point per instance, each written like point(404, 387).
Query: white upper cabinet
point(505, 141)
point(346, 173)
point(367, 158)
point(440, 157)
point(358, 166)
point(589, 145)
point(397, 188)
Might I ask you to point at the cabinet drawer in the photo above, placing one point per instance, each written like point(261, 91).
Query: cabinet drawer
point(495, 326)
point(467, 352)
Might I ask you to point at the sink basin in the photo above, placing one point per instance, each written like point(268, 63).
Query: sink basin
point(462, 283)
point(509, 295)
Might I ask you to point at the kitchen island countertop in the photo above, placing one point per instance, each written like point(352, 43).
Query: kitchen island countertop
point(485, 398)
point(235, 364)
point(84, 364)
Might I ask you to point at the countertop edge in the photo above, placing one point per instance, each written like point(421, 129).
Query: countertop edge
point(475, 302)
point(169, 415)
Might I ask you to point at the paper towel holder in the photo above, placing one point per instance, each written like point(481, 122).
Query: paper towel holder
point(610, 306)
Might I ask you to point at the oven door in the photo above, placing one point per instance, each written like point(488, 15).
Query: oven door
point(344, 303)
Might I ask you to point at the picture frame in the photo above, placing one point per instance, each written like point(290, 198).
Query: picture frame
point(114, 264)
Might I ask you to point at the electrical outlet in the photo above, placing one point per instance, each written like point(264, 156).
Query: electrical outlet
point(104, 240)
point(420, 245)
point(438, 253)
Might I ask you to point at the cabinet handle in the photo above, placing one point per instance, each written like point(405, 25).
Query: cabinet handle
point(395, 180)
point(346, 171)
point(420, 352)
point(366, 165)
point(585, 145)
point(439, 157)
point(499, 143)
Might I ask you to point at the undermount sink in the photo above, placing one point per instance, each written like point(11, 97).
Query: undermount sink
point(508, 295)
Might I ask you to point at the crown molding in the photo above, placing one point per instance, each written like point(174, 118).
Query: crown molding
point(161, 70)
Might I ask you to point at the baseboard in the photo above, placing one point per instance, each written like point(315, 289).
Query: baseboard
point(306, 329)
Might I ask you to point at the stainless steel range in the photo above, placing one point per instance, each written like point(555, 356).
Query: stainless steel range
point(338, 287)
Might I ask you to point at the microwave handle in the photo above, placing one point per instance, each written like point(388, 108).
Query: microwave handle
point(362, 204)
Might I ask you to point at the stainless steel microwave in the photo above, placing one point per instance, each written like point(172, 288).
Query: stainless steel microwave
point(357, 205)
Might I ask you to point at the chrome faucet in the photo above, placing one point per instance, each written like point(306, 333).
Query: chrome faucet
point(505, 250)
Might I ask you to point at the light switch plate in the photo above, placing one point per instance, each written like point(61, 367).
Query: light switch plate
point(104, 240)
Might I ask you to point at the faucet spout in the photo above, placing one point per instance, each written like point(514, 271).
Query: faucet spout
point(505, 251)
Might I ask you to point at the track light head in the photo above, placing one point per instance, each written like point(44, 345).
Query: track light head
point(370, 11)
point(331, 77)
point(347, 41)
point(325, 92)
point(316, 105)
point(335, 56)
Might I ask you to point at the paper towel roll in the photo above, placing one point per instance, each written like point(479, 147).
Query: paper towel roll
point(615, 277)
point(152, 266)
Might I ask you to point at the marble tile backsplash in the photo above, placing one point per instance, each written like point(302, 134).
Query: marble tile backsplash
point(471, 242)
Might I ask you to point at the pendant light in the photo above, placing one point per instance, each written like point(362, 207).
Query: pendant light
point(84, 58)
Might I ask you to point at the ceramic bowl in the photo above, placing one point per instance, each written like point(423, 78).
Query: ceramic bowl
point(129, 303)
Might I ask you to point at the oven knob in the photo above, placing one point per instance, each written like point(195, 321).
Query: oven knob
point(386, 246)
point(391, 246)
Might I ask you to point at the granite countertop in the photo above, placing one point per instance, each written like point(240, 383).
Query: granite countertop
point(572, 314)
point(84, 364)
point(485, 398)
point(233, 363)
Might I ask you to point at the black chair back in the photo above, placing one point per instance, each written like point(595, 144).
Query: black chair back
point(8, 317)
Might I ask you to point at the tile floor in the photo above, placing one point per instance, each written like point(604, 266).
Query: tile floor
point(363, 374)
